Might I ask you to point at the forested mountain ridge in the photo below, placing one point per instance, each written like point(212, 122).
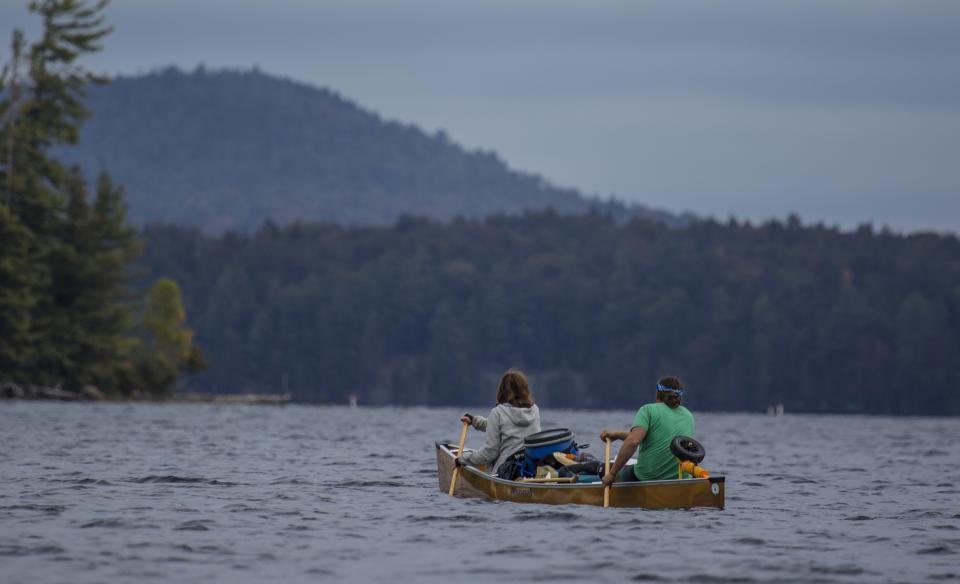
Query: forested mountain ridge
point(229, 150)
point(431, 313)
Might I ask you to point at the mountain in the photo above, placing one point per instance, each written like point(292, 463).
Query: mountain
point(228, 150)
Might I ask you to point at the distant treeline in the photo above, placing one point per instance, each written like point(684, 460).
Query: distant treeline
point(594, 310)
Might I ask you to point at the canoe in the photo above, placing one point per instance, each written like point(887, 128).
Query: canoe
point(671, 494)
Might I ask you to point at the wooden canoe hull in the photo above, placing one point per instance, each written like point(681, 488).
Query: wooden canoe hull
point(674, 494)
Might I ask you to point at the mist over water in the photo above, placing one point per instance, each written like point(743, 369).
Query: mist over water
point(143, 492)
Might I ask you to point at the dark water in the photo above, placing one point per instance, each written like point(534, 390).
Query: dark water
point(199, 493)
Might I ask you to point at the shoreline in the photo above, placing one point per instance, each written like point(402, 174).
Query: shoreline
point(16, 391)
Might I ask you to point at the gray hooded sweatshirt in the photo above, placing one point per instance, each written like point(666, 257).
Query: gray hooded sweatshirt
point(506, 426)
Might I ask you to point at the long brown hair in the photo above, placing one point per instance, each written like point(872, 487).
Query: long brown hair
point(514, 389)
point(668, 397)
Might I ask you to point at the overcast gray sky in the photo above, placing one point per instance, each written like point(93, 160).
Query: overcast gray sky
point(843, 111)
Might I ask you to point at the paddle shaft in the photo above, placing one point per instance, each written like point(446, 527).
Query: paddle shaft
point(606, 471)
point(456, 469)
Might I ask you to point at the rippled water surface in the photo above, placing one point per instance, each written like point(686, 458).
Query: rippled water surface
point(204, 493)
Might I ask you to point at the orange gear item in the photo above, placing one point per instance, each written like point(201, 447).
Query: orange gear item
point(694, 470)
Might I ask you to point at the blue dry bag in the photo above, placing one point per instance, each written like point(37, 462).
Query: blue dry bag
point(539, 449)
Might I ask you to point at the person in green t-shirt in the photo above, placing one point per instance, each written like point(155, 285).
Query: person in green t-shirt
point(654, 428)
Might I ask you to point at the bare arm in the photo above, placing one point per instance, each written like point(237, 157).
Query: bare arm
point(613, 435)
point(631, 442)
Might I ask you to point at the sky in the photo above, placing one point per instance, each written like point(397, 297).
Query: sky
point(842, 111)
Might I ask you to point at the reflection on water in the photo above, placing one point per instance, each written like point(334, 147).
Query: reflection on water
point(121, 493)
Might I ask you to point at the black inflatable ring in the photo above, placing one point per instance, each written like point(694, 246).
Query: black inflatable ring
point(686, 448)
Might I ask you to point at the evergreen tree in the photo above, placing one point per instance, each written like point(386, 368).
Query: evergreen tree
point(90, 278)
point(42, 107)
point(17, 287)
point(22, 273)
point(51, 108)
point(52, 115)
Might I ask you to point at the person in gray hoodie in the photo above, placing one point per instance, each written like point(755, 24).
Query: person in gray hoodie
point(513, 418)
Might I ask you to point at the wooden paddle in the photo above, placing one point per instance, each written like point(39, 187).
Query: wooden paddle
point(456, 469)
point(606, 471)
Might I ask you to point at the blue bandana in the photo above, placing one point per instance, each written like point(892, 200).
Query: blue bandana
point(678, 392)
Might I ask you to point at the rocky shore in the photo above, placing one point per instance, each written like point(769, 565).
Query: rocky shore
point(10, 390)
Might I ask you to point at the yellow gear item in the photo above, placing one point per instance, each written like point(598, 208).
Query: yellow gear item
point(694, 470)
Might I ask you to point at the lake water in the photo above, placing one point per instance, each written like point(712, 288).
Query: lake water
point(122, 493)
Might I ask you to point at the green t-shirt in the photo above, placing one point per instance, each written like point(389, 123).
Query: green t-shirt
point(655, 461)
